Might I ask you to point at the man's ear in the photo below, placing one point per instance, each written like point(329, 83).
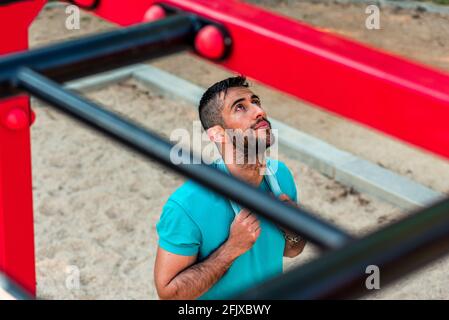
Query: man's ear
point(216, 134)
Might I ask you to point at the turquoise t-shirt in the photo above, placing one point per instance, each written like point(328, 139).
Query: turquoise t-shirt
point(196, 221)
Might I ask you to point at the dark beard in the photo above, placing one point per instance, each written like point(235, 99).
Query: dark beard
point(253, 147)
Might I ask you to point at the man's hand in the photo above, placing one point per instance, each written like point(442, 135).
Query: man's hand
point(292, 249)
point(245, 230)
point(180, 277)
point(285, 198)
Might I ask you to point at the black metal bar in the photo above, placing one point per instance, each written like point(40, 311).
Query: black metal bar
point(7, 2)
point(13, 290)
point(101, 52)
point(150, 145)
point(397, 250)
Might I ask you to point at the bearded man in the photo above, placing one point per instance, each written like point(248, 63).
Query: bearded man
point(209, 247)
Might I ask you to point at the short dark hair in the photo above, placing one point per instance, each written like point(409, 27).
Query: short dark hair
point(210, 107)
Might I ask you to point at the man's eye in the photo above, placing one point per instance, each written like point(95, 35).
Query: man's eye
point(239, 107)
point(256, 102)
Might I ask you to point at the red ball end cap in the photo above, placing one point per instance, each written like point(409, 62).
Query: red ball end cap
point(210, 42)
point(155, 12)
point(84, 3)
point(16, 119)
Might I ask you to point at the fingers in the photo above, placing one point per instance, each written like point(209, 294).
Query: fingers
point(253, 223)
point(257, 232)
point(250, 222)
point(251, 219)
point(246, 216)
point(256, 226)
point(284, 197)
point(243, 214)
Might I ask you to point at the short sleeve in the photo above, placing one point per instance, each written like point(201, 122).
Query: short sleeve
point(177, 232)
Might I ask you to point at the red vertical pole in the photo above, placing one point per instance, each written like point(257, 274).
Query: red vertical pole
point(16, 207)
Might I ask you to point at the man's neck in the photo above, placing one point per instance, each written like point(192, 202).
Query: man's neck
point(252, 173)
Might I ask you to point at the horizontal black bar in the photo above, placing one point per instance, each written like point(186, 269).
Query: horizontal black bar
point(150, 145)
point(396, 250)
point(7, 2)
point(101, 52)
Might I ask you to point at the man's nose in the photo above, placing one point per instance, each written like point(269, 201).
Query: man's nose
point(259, 112)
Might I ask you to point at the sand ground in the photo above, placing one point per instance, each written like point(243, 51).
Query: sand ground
point(96, 205)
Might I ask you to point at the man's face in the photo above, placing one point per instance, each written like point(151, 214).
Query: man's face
point(243, 112)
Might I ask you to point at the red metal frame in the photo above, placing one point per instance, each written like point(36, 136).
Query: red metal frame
point(16, 202)
point(388, 93)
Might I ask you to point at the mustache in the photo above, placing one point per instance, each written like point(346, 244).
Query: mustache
point(259, 121)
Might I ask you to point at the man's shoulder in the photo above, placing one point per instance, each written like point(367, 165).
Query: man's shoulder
point(279, 168)
point(192, 195)
point(285, 177)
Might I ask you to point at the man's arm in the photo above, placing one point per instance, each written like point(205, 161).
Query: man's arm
point(292, 249)
point(178, 277)
point(194, 279)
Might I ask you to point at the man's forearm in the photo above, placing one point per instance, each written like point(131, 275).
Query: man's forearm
point(197, 279)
